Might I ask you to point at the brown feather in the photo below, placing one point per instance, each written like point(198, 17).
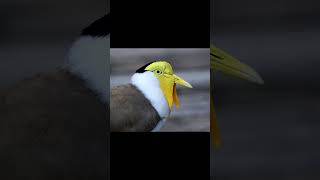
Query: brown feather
point(52, 125)
point(131, 110)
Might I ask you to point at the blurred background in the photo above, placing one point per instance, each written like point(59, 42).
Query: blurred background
point(269, 131)
point(190, 64)
point(35, 35)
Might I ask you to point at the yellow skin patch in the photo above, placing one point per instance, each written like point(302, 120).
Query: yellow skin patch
point(168, 80)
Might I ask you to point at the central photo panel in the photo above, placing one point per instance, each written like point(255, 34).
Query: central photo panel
point(159, 90)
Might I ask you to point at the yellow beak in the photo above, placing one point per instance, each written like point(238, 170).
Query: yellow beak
point(180, 81)
point(221, 61)
point(168, 86)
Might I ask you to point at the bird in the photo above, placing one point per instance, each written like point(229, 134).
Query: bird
point(225, 63)
point(54, 124)
point(144, 104)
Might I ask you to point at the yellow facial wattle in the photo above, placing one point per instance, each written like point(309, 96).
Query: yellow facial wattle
point(167, 86)
point(167, 80)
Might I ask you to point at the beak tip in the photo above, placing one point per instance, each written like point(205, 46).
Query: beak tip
point(261, 82)
point(258, 79)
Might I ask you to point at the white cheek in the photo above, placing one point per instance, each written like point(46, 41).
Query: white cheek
point(89, 59)
point(149, 85)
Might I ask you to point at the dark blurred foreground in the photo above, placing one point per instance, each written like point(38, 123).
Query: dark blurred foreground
point(269, 131)
point(35, 37)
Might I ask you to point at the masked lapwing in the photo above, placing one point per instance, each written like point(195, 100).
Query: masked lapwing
point(145, 103)
point(54, 124)
point(225, 63)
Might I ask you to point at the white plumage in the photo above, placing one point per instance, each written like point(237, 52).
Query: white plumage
point(89, 59)
point(149, 85)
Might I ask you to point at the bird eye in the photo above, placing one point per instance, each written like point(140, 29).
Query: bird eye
point(158, 72)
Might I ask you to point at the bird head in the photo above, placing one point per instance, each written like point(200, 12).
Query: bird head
point(164, 74)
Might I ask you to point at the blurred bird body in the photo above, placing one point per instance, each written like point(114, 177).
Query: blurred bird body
point(65, 108)
point(145, 103)
point(225, 63)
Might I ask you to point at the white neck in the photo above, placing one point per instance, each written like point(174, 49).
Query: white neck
point(89, 59)
point(149, 85)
